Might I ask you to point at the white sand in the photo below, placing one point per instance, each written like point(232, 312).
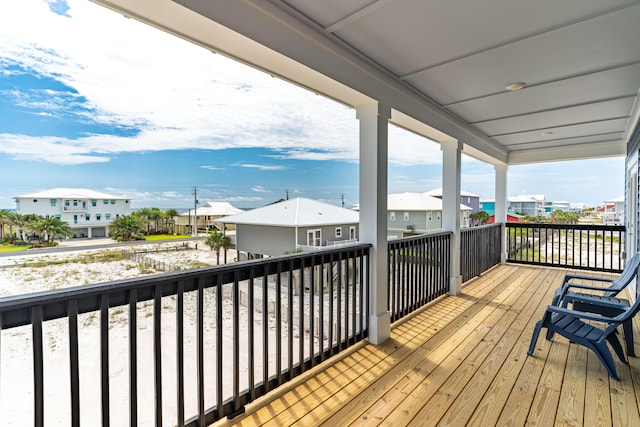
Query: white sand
point(16, 384)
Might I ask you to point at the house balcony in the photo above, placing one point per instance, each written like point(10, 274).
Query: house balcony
point(281, 341)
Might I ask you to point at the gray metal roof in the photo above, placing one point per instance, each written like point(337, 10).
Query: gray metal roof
point(298, 212)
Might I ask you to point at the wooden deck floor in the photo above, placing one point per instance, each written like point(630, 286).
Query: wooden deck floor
point(462, 361)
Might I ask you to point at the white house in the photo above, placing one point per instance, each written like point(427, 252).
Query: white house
point(417, 213)
point(291, 225)
point(532, 205)
point(88, 212)
point(466, 198)
point(612, 211)
point(207, 215)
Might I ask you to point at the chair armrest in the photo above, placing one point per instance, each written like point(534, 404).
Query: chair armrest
point(569, 277)
point(582, 315)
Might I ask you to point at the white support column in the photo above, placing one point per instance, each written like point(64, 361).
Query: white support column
point(373, 212)
point(89, 230)
point(501, 205)
point(451, 171)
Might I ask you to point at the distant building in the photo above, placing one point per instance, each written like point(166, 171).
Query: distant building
point(511, 217)
point(417, 213)
point(468, 199)
point(612, 211)
point(88, 212)
point(531, 205)
point(207, 216)
point(489, 206)
point(290, 225)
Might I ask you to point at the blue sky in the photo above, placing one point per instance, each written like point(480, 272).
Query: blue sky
point(91, 99)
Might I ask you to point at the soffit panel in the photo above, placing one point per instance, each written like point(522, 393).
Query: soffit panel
point(614, 109)
point(595, 130)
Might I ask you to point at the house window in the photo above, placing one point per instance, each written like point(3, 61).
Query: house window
point(106, 202)
point(392, 216)
point(94, 203)
point(87, 217)
point(352, 233)
point(113, 202)
point(314, 237)
point(438, 216)
point(429, 216)
point(53, 202)
point(75, 203)
point(405, 217)
point(107, 216)
point(58, 216)
point(66, 203)
point(35, 200)
point(338, 232)
point(98, 216)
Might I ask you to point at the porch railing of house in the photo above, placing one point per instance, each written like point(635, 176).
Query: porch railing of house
point(579, 246)
point(419, 272)
point(195, 346)
point(479, 249)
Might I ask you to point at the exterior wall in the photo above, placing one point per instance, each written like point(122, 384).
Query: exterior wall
point(488, 207)
point(265, 240)
point(85, 219)
point(328, 234)
point(632, 191)
point(420, 222)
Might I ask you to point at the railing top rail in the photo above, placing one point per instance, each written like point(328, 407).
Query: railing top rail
point(481, 227)
point(421, 236)
point(15, 309)
point(566, 226)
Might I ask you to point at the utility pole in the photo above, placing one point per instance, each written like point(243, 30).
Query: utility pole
point(342, 199)
point(287, 194)
point(195, 211)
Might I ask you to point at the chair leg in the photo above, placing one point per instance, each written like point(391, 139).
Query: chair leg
point(627, 326)
point(534, 337)
point(617, 347)
point(603, 353)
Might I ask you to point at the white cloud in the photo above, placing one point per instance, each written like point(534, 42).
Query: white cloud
point(260, 167)
point(259, 189)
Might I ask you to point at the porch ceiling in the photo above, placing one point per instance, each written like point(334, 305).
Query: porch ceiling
point(443, 66)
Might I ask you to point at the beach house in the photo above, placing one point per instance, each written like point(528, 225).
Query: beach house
point(422, 330)
point(292, 225)
point(206, 216)
point(466, 198)
point(88, 212)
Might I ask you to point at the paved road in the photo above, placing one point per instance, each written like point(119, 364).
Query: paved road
point(89, 244)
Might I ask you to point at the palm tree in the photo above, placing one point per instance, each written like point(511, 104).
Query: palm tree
point(5, 220)
point(156, 215)
point(49, 228)
point(170, 217)
point(144, 214)
point(217, 241)
point(126, 227)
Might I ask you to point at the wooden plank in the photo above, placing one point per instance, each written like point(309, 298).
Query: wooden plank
point(624, 411)
point(491, 406)
point(571, 404)
point(407, 410)
point(457, 313)
point(598, 410)
point(467, 401)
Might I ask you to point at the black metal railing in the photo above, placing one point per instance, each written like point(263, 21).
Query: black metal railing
point(419, 272)
point(580, 246)
point(479, 249)
point(184, 348)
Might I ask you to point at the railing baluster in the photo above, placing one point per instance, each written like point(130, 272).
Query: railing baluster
point(200, 351)
point(279, 324)
point(236, 341)
point(38, 368)
point(251, 335)
point(180, 352)
point(217, 286)
point(74, 364)
point(157, 352)
point(104, 357)
point(133, 357)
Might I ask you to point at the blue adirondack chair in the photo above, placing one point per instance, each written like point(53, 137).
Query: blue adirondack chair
point(601, 300)
point(572, 325)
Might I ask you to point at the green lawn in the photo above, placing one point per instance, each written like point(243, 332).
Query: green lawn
point(165, 237)
point(13, 248)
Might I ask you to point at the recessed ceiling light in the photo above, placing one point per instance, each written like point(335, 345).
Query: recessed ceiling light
point(515, 86)
point(546, 133)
